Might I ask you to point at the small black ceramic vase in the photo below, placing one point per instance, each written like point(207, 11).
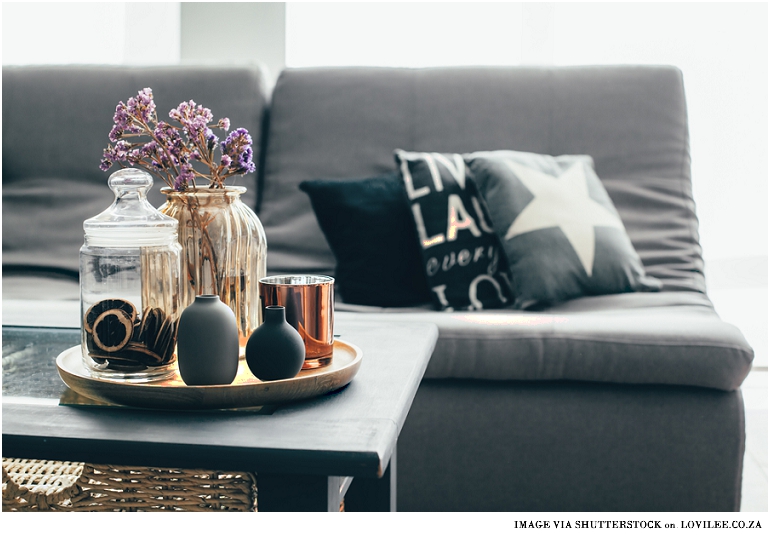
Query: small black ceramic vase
point(207, 342)
point(275, 350)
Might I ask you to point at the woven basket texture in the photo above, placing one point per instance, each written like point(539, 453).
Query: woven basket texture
point(35, 485)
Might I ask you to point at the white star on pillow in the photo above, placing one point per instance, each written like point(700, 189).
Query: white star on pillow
point(562, 202)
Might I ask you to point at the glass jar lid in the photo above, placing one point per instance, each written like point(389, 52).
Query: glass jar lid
point(130, 221)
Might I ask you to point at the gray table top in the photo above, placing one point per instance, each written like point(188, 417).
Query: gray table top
point(351, 432)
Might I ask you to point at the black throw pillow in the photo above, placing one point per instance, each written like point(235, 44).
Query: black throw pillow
point(462, 255)
point(560, 230)
point(369, 228)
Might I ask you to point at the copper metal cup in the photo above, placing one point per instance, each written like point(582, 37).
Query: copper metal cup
point(309, 303)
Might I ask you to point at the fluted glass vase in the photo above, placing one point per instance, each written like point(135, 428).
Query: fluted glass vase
point(224, 250)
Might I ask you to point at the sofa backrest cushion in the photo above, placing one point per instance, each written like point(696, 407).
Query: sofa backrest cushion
point(346, 122)
point(55, 126)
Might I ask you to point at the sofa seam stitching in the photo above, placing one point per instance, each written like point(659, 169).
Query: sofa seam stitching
point(604, 340)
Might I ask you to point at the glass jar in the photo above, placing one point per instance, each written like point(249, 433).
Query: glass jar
point(129, 286)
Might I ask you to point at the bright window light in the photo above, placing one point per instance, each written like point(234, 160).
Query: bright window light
point(403, 34)
point(722, 52)
point(90, 33)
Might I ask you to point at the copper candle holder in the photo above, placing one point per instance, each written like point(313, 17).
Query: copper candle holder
point(309, 303)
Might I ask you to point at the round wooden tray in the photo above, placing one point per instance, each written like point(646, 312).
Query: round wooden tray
point(245, 391)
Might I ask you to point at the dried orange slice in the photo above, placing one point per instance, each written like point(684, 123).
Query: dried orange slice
point(112, 330)
point(104, 305)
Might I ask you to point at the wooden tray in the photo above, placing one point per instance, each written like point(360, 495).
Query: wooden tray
point(245, 391)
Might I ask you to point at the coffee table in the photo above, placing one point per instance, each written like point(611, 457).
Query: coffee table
point(308, 456)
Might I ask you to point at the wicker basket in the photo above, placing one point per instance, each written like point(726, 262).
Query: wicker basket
point(34, 485)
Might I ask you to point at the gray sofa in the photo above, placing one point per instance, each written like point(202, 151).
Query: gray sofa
point(627, 402)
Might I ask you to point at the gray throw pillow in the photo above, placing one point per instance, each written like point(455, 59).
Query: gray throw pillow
point(560, 231)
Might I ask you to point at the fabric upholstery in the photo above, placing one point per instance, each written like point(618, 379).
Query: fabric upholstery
point(345, 122)
point(55, 126)
point(567, 446)
point(673, 338)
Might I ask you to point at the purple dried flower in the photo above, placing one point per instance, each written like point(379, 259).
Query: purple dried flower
point(189, 110)
point(121, 117)
point(238, 147)
point(111, 155)
point(193, 118)
point(142, 106)
point(246, 160)
point(163, 160)
point(195, 126)
point(211, 139)
point(149, 149)
point(108, 155)
point(134, 156)
point(200, 111)
point(120, 152)
point(171, 150)
point(163, 131)
point(115, 134)
point(169, 138)
point(180, 113)
point(186, 176)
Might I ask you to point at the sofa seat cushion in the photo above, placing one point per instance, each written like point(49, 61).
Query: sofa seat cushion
point(40, 285)
point(672, 338)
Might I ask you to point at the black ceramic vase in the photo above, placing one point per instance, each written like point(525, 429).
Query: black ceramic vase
point(275, 350)
point(207, 342)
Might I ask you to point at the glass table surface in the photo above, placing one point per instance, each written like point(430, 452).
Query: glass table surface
point(29, 361)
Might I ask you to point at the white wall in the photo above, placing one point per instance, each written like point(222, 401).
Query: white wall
point(90, 32)
point(402, 34)
point(238, 32)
